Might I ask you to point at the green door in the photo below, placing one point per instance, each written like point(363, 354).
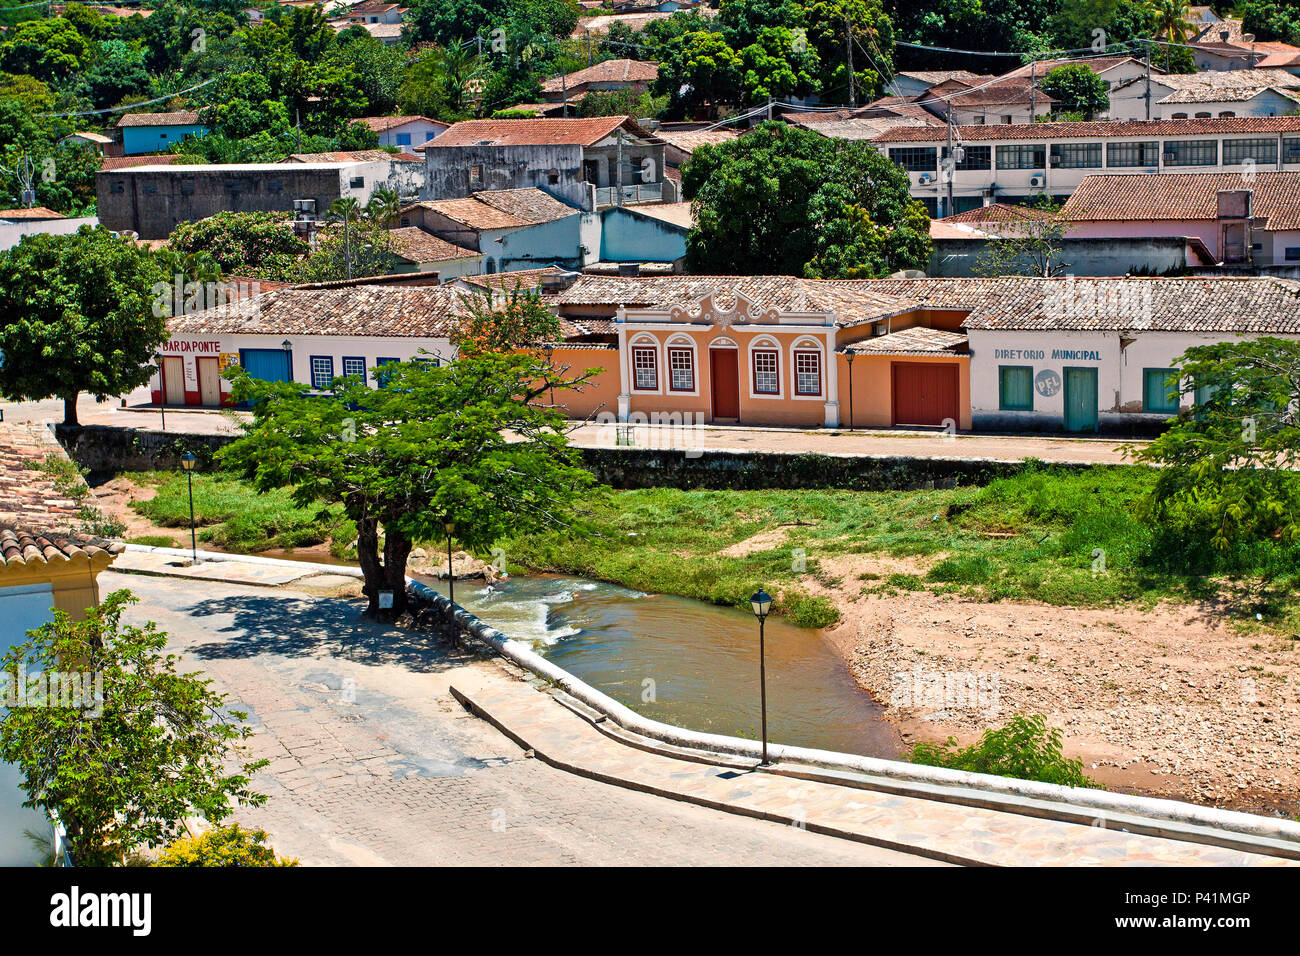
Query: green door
point(1080, 399)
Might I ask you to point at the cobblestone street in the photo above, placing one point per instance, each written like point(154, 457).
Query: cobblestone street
point(374, 763)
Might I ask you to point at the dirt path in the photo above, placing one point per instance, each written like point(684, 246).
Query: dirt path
point(1172, 701)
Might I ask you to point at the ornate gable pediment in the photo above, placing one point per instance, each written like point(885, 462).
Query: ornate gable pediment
point(707, 309)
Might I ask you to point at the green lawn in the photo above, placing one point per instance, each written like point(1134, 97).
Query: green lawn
point(1062, 537)
point(235, 517)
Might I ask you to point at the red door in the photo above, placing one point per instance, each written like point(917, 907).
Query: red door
point(925, 394)
point(724, 373)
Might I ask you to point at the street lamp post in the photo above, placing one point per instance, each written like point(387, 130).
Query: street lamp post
point(162, 394)
point(187, 462)
point(449, 526)
point(761, 602)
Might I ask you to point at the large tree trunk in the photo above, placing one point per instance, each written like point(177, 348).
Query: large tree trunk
point(70, 410)
point(386, 575)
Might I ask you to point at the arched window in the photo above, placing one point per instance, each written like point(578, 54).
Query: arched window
point(765, 367)
point(645, 363)
point(681, 364)
point(808, 365)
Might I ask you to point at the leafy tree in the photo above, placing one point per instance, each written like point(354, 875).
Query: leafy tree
point(1270, 21)
point(430, 444)
point(1171, 21)
point(76, 316)
point(1077, 89)
point(1024, 748)
point(157, 754)
point(223, 846)
point(378, 67)
point(437, 84)
point(629, 102)
point(48, 50)
point(1228, 494)
point(698, 69)
point(781, 198)
point(1028, 244)
point(513, 320)
point(117, 71)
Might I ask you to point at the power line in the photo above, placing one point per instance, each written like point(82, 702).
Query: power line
point(131, 106)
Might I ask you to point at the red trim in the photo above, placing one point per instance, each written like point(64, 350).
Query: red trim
point(155, 396)
point(192, 398)
point(814, 352)
point(753, 364)
point(691, 354)
point(653, 351)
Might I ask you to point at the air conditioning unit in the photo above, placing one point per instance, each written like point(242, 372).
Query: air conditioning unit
point(925, 179)
point(1037, 180)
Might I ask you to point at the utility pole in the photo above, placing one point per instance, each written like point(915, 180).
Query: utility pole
point(588, 32)
point(769, 108)
point(1033, 98)
point(564, 92)
point(1147, 97)
point(848, 49)
point(618, 174)
point(952, 165)
point(297, 126)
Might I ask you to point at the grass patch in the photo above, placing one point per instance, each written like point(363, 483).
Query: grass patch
point(236, 518)
point(154, 541)
point(1064, 537)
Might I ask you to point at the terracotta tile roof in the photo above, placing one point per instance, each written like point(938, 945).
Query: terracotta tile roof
point(529, 204)
point(500, 208)
point(1183, 196)
point(1236, 94)
point(677, 213)
point(917, 340)
point(382, 124)
point(367, 310)
point(181, 118)
point(1262, 306)
point(689, 140)
point(535, 132)
point(1224, 79)
point(933, 77)
point(1213, 33)
point(36, 520)
point(1009, 93)
point(859, 128)
point(416, 245)
point(852, 301)
point(470, 212)
point(1098, 64)
point(633, 21)
point(112, 163)
point(1097, 130)
point(998, 212)
point(607, 71)
point(35, 212)
point(527, 278)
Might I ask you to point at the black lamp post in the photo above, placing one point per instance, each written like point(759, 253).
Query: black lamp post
point(187, 462)
point(288, 358)
point(761, 602)
point(848, 357)
point(449, 526)
point(162, 384)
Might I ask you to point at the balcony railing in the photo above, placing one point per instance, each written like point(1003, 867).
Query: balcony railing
point(629, 195)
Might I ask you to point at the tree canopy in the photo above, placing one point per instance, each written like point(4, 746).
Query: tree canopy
point(789, 201)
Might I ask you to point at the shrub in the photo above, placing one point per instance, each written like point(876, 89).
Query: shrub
point(223, 846)
point(1024, 748)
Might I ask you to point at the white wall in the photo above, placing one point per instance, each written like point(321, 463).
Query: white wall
point(11, 233)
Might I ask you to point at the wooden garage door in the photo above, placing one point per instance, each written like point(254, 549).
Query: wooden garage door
point(925, 394)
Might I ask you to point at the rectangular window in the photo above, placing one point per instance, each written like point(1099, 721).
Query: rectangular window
point(1076, 155)
point(767, 379)
point(476, 175)
point(358, 182)
point(977, 157)
point(681, 365)
point(1016, 388)
point(1133, 154)
point(403, 139)
point(1160, 390)
point(322, 371)
point(1291, 150)
point(1192, 152)
point(354, 366)
point(1292, 254)
point(645, 364)
point(807, 373)
point(381, 379)
point(1022, 157)
point(1237, 151)
point(915, 159)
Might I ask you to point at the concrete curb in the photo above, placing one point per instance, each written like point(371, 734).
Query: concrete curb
point(1033, 795)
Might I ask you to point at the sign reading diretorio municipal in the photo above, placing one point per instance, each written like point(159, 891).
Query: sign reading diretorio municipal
point(1064, 355)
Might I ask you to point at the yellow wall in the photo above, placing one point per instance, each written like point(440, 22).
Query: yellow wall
point(873, 388)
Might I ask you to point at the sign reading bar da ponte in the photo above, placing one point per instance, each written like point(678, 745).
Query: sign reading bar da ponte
point(191, 346)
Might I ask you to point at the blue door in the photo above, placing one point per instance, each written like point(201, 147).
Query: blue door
point(271, 365)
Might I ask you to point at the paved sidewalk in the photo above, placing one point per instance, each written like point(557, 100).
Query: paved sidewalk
point(373, 762)
point(944, 831)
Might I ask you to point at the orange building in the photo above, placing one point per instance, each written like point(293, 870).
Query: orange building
point(772, 350)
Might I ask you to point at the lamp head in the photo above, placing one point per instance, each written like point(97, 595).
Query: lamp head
point(187, 461)
point(761, 602)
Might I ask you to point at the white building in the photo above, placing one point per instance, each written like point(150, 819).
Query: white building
point(1015, 163)
point(1213, 93)
point(405, 132)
